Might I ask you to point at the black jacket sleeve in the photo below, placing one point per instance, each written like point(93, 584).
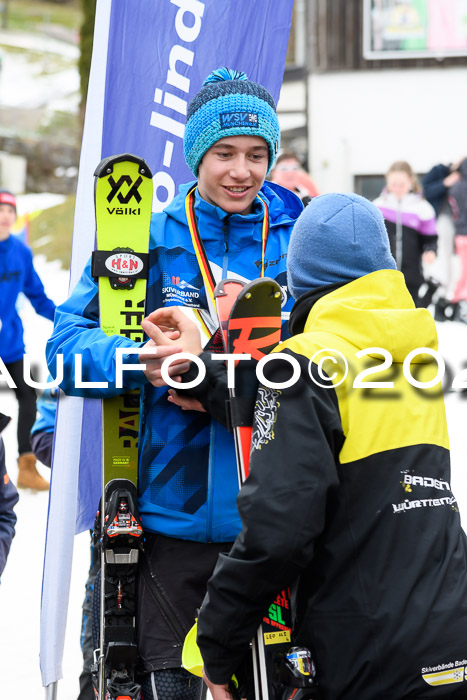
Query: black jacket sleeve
point(297, 437)
point(429, 243)
point(434, 188)
point(212, 392)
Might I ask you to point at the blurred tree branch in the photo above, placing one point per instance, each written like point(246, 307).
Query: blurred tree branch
point(87, 35)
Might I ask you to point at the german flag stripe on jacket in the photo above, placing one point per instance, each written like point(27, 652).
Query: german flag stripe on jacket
point(350, 495)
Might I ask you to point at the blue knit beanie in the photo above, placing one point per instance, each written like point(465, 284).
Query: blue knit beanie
point(229, 104)
point(337, 238)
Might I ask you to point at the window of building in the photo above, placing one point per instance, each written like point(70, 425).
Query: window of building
point(369, 186)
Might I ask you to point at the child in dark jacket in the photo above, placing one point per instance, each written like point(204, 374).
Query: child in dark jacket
point(8, 500)
point(436, 184)
point(348, 500)
point(411, 225)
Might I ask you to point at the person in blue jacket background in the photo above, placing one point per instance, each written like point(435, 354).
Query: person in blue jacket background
point(230, 223)
point(8, 500)
point(42, 431)
point(17, 274)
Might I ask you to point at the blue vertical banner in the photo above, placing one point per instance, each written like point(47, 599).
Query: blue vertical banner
point(160, 52)
point(150, 57)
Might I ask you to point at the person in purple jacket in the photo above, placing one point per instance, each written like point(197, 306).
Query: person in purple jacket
point(411, 225)
point(8, 500)
point(17, 274)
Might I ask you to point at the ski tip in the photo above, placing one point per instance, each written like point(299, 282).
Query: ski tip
point(268, 285)
point(220, 290)
point(106, 165)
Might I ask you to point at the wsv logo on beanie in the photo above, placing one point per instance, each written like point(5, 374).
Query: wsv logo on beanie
point(242, 119)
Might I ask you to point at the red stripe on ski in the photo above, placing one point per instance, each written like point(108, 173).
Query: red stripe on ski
point(244, 439)
point(256, 347)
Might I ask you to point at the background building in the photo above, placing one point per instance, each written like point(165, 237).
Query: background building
point(362, 113)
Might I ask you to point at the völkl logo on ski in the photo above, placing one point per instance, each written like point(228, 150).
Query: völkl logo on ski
point(132, 192)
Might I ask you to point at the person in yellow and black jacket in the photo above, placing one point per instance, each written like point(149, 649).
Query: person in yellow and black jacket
point(349, 497)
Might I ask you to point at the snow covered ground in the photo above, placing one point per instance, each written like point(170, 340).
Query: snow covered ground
point(20, 588)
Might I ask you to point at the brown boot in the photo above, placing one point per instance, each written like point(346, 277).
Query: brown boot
point(28, 476)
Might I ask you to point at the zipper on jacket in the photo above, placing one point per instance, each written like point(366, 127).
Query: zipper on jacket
point(212, 444)
point(399, 236)
point(225, 233)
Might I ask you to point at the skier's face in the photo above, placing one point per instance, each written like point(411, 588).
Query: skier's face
point(232, 172)
point(7, 219)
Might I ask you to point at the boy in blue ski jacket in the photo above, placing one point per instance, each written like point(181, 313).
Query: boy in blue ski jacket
point(17, 274)
point(42, 431)
point(228, 224)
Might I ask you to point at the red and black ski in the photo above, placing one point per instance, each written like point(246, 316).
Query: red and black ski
point(252, 327)
point(250, 319)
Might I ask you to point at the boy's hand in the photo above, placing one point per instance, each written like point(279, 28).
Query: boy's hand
point(170, 332)
point(218, 692)
point(154, 353)
point(175, 326)
point(186, 403)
